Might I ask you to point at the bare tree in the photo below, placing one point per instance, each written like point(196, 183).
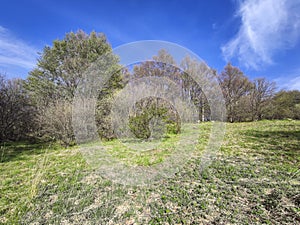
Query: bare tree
point(234, 85)
point(55, 123)
point(16, 112)
point(194, 68)
point(261, 94)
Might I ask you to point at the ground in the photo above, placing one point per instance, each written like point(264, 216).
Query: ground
point(253, 179)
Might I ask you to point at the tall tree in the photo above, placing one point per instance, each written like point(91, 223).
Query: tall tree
point(234, 85)
point(60, 67)
point(193, 68)
point(164, 65)
point(161, 65)
point(58, 73)
point(261, 95)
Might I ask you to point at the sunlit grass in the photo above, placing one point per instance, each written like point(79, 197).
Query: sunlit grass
point(254, 179)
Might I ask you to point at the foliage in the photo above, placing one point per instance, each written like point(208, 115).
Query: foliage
point(55, 123)
point(285, 105)
point(197, 93)
point(156, 112)
point(60, 67)
point(164, 65)
point(104, 102)
point(40, 106)
point(234, 85)
point(53, 83)
point(246, 100)
point(16, 111)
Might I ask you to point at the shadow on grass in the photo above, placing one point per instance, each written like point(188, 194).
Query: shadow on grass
point(15, 151)
point(287, 141)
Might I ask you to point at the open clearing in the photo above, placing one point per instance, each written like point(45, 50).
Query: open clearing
point(254, 179)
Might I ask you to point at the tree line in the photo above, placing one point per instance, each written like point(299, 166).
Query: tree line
point(40, 106)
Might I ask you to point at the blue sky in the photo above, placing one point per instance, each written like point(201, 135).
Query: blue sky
point(261, 37)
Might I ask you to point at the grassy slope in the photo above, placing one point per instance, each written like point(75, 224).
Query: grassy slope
point(255, 179)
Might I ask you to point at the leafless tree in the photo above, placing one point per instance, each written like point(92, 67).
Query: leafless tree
point(261, 94)
point(16, 112)
point(234, 85)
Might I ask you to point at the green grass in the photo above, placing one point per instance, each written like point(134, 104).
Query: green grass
point(254, 179)
point(153, 155)
point(138, 152)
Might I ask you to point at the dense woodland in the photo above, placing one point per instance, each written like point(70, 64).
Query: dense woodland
point(39, 108)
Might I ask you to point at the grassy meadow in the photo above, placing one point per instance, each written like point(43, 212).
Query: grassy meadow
point(254, 179)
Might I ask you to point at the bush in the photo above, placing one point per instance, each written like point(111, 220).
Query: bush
point(55, 123)
point(16, 111)
point(154, 117)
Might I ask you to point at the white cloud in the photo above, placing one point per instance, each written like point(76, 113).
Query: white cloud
point(267, 26)
point(294, 84)
point(291, 84)
point(290, 80)
point(15, 52)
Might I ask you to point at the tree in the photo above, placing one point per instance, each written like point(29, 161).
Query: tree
point(194, 68)
point(59, 71)
point(16, 111)
point(234, 85)
point(164, 65)
point(286, 104)
point(161, 65)
point(261, 94)
point(155, 111)
point(243, 109)
point(60, 67)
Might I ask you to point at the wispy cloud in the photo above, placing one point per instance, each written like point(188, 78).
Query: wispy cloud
point(15, 52)
point(290, 81)
point(294, 84)
point(267, 26)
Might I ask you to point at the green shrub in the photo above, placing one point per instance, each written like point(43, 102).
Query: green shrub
point(154, 117)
